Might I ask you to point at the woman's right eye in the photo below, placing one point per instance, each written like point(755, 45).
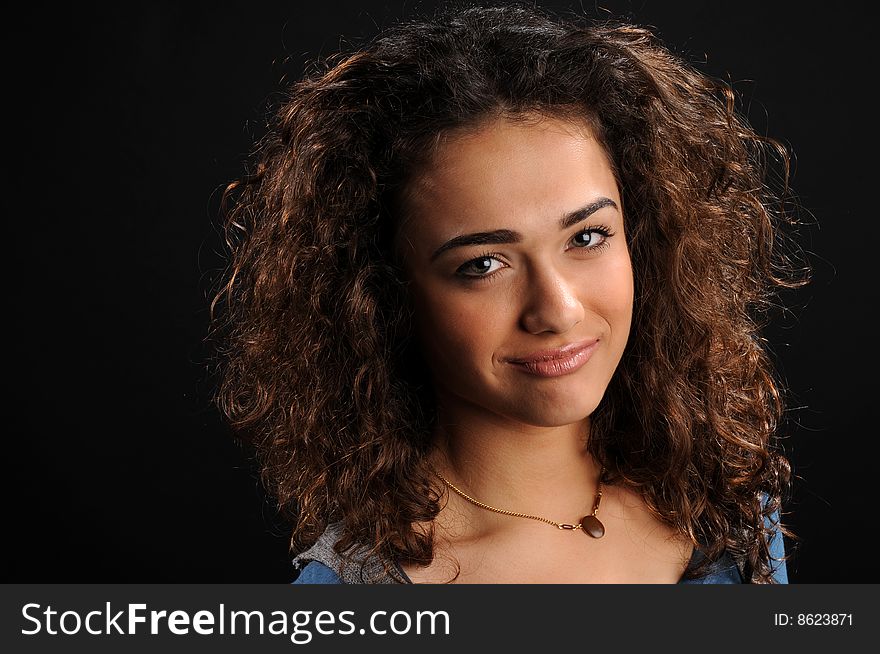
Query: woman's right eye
point(482, 266)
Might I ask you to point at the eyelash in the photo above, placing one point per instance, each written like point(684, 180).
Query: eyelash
point(598, 229)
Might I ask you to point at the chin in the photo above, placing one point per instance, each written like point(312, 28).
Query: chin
point(550, 416)
point(550, 408)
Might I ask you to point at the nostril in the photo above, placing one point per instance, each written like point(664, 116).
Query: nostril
point(551, 307)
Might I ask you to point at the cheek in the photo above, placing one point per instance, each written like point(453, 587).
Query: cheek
point(614, 294)
point(455, 328)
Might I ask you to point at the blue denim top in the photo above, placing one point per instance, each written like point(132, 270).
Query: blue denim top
point(722, 571)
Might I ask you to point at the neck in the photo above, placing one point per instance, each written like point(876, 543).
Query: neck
point(543, 471)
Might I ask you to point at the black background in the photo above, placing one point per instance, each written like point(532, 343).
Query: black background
point(124, 124)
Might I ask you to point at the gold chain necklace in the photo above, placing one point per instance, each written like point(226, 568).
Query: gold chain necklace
point(589, 524)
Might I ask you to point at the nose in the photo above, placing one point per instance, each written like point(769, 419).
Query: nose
point(551, 302)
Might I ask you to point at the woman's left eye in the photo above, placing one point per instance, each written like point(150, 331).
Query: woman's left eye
point(591, 238)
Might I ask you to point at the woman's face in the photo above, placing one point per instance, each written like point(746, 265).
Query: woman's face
point(519, 271)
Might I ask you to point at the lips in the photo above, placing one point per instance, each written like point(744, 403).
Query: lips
point(557, 361)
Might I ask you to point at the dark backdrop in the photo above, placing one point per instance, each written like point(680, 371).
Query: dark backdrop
point(122, 127)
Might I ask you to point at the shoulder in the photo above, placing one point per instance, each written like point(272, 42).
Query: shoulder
point(722, 571)
point(315, 572)
point(321, 564)
point(725, 571)
point(777, 547)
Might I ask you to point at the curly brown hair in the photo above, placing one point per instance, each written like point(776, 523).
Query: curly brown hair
point(319, 367)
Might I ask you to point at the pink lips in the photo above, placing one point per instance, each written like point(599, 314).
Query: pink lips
point(560, 361)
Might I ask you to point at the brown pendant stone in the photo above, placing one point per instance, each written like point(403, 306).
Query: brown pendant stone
point(590, 525)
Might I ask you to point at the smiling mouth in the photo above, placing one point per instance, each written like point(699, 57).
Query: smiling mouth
point(555, 363)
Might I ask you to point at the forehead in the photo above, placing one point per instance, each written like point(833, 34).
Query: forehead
point(504, 171)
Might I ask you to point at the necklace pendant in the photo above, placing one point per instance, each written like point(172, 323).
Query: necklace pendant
point(591, 525)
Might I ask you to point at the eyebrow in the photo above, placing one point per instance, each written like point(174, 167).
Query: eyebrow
point(510, 236)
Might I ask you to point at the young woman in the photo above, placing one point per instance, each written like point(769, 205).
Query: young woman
point(493, 312)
